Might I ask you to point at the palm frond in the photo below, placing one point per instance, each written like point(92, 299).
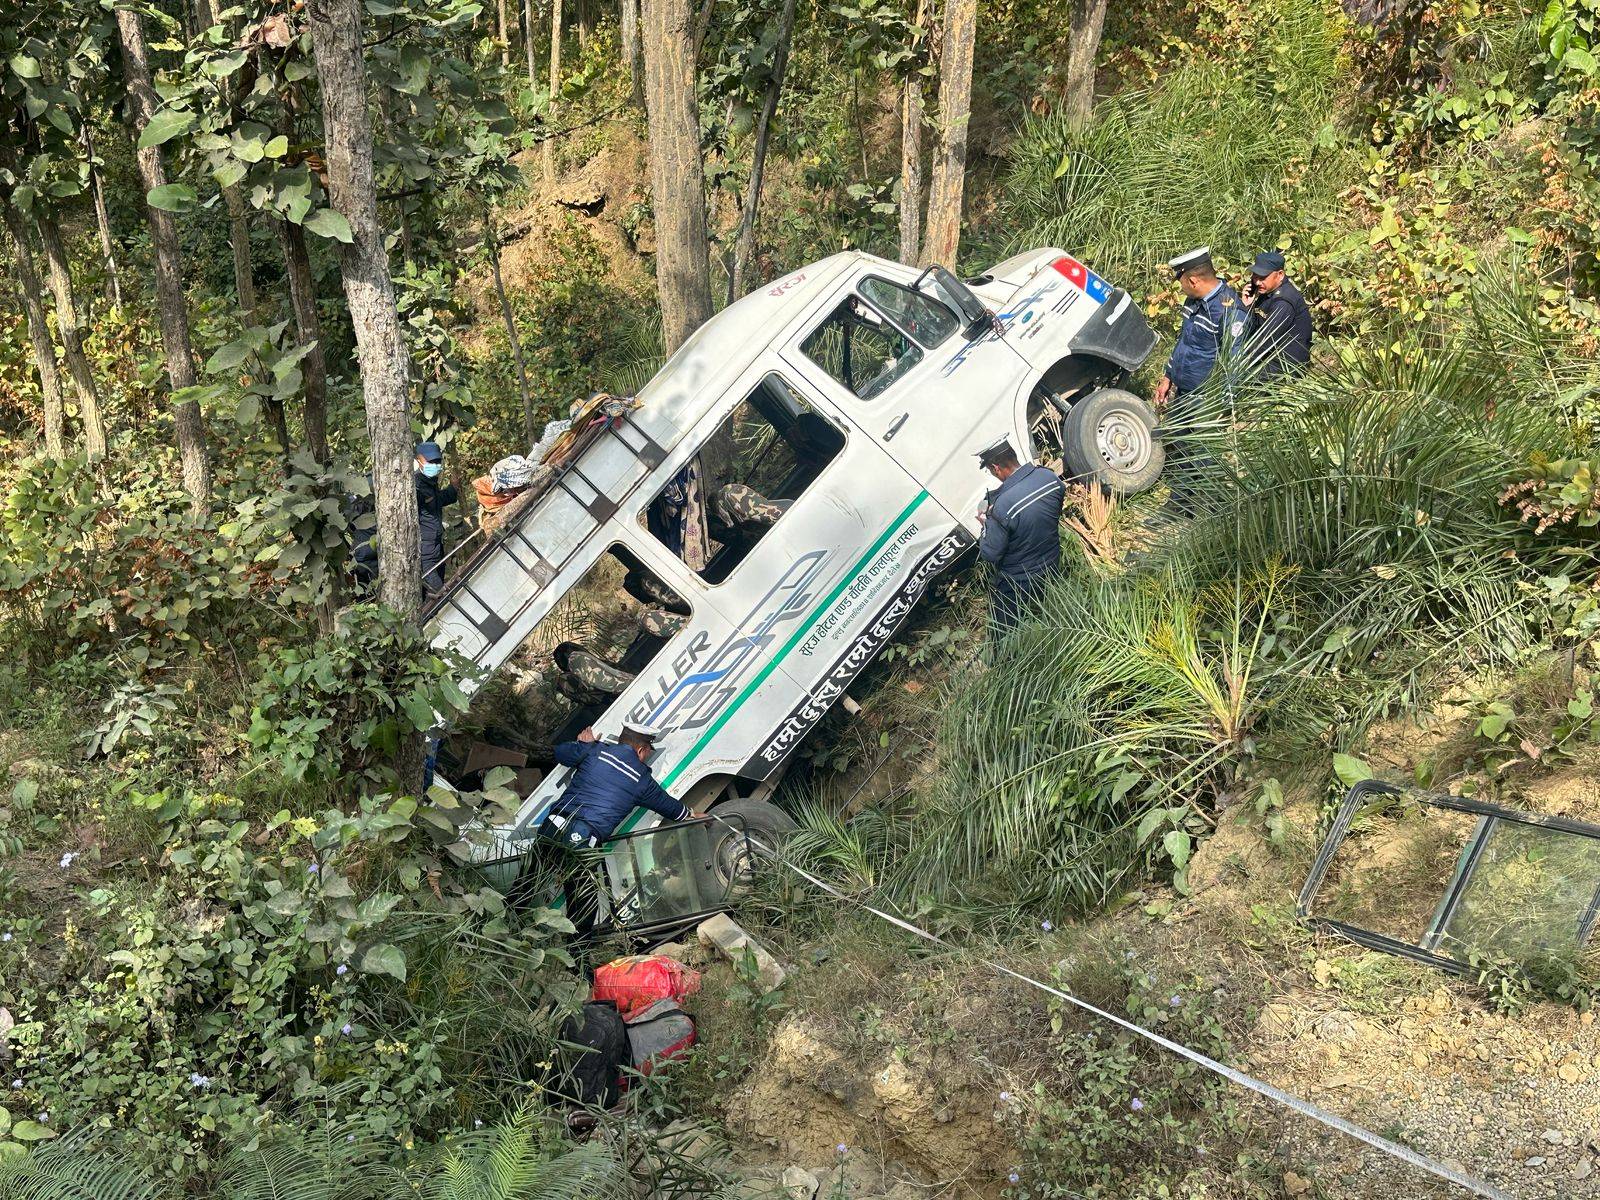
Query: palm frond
point(75, 1168)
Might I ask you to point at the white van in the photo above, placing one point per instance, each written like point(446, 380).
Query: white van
point(786, 488)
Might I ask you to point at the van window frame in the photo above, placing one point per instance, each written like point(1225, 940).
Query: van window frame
point(925, 347)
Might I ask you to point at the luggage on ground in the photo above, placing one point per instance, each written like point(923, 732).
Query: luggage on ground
point(597, 1052)
point(660, 1032)
point(636, 982)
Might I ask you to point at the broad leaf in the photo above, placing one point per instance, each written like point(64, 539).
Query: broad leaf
point(385, 959)
point(1350, 769)
point(164, 126)
point(329, 224)
point(172, 197)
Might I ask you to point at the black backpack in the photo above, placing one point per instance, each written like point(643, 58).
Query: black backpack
point(593, 1054)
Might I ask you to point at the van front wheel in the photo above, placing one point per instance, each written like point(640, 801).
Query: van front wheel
point(748, 821)
point(1109, 436)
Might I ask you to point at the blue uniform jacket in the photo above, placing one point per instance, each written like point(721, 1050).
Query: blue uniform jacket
point(1208, 325)
point(609, 783)
point(1022, 537)
point(1279, 337)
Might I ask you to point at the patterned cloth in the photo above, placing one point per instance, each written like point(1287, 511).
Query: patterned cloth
point(590, 679)
point(658, 622)
point(743, 508)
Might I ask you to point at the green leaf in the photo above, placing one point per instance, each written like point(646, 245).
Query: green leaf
point(5, 1121)
point(1350, 769)
point(31, 1131)
point(1177, 844)
point(277, 147)
point(1578, 59)
point(385, 959)
point(327, 223)
point(286, 903)
point(164, 126)
point(230, 356)
point(172, 197)
point(24, 66)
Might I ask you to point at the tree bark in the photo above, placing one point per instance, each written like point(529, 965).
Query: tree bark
point(911, 159)
point(505, 35)
point(585, 25)
point(1088, 21)
point(683, 268)
point(170, 301)
point(244, 284)
point(547, 151)
point(528, 44)
point(83, 387)
point(44, 351)
point(630, 48)
point(308, 332)
point(102, 218)
point(744, 241)
point(943, 236)
point(369, 292)
point(530, 417)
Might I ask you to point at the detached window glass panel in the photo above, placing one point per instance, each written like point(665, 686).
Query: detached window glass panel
point(925, 319)
point(1458, 883)
point(861, 348)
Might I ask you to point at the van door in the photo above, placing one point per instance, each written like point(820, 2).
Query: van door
point(899, 365)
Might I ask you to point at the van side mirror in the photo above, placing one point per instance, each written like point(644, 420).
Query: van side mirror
point(973, 310)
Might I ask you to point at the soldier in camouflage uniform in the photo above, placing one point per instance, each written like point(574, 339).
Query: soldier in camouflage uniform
point(585, 677)
point(658, 622)
point(746, 510)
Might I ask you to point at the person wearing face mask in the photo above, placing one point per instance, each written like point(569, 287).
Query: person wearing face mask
point(431, 502)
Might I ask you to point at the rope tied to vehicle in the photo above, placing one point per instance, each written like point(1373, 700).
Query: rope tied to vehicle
point(1303, 1107)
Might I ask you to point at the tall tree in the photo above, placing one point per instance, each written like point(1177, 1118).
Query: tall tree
point(308, 332)
point(1087, 22)
point(83, 385)
point(170, 303)
point(369, 291)
point(504, 31)
point(244, 283)
point(911, 156)
point(548, 150)
point(630, 48)
point(529, 45)
point(943, 235)
point(102, 218)
point(44, 351)
point(678, 192)
point(744, 241)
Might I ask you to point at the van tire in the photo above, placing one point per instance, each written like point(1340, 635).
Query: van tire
point(1109, 437)
point(764, 823)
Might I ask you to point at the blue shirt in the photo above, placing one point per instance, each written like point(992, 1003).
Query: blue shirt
point(609, 783)
point(1022, 537)
point(1209, 324)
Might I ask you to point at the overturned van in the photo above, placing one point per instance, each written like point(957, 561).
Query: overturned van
point(754, 526)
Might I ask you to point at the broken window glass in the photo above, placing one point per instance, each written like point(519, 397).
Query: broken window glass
point(1458, 883)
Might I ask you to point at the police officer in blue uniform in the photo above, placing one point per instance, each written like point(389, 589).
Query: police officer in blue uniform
point(1214, 319)
point(1021, 536)
point(1278, 336)
point(609, 780)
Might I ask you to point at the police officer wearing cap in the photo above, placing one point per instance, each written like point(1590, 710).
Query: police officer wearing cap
point(1213, 317)
point(609, 780)
point(1021, 536)
point(431, 502)
point(1278, 337)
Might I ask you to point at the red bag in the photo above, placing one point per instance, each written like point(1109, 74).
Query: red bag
point(658, 1033)
point(634, 983)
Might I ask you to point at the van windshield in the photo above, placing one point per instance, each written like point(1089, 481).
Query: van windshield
point(925, 319)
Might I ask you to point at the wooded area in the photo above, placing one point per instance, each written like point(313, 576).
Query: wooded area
point(256, 253)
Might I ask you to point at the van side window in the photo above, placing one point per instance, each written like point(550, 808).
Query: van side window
point(925, 319)
point(750, 471)
point(861, 348)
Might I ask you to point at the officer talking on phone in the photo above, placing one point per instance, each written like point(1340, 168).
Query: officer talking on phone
point(1277, 339)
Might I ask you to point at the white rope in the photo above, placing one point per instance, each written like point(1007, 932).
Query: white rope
point(1303, 1107)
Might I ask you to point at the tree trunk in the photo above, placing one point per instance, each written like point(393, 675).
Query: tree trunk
point(528, 44)
point(83, 388)
point(683, 269)
point(308, 332)
point(170, 303)
point(530, 417)
point(1083, 48)
point(102, 218)
point(505, 35)
point(943, 236)
point(44, 351)
point(244, 284)
point(630, 48)
point(369, 292)
point(585, 25)
point(911, 159)
point(547, 151)
point(744, 241)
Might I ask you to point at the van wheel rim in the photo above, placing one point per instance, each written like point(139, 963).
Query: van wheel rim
point(1122, 440)
point(734, 860)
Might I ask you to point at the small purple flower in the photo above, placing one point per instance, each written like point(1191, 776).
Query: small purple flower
point(841, 1148)
point(1046, 926)
point(16, 1085)
point(346, 1029)
point(1137, 1105)
point(197, 1080)
point(1005, 1097)
point(349, 1137)
point(1175, 1001)
point(6, 936)
point(476, 1123)
point(342, 969)
point(66, 859)
point(312, 869)
point(1013, 1178)
point(44, 1115)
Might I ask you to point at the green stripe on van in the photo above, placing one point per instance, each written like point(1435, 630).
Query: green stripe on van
point(761, 677)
